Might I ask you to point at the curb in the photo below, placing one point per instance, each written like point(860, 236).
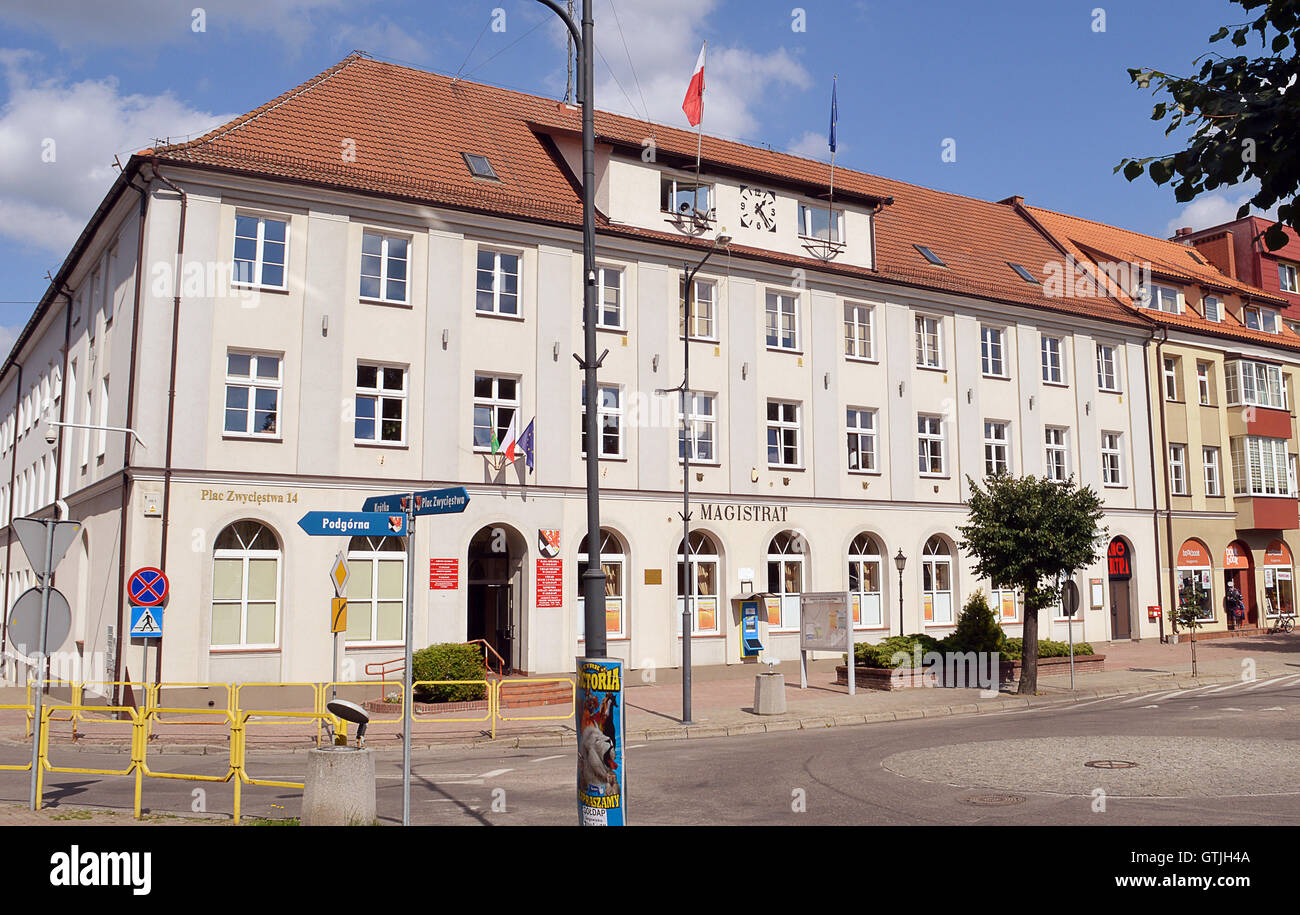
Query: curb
point(705, 731)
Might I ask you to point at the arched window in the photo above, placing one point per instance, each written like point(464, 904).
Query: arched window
point(785, 555)
point(936, 582)
point(1195, 577)
point(864, 581)
point(700, 583)
point(613, 561)
point(376, 589)
point(1279, 593)
point(246, 587)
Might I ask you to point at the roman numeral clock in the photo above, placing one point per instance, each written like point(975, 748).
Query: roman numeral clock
point(757, 209)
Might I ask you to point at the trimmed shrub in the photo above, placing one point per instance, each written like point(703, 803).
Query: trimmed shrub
point(882, 654)
point(449, 661)
point(1013, 649)
point(977, 628)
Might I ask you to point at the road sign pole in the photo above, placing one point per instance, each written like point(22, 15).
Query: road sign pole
point(40, 660)
point(407, 702)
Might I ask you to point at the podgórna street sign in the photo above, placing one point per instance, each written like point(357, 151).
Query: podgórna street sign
point(430, 502)
point(353, 524)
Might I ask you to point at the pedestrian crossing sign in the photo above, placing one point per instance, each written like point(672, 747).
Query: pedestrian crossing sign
point(146, 622)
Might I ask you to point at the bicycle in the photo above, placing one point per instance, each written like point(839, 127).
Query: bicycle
point(1284, 622)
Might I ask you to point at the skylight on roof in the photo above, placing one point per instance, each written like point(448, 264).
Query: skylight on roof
point(929, 255)
point(479, 166)
point(1196, 257)
point(1024, 274)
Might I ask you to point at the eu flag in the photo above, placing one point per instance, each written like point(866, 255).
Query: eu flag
point(834, 115)
point(526, 443)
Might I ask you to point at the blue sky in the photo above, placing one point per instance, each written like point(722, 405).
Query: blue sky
point(1036, 98)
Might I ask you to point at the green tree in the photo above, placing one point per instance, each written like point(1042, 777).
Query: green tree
point(1188, 614)
point(1244, 117)
point(1026, 532)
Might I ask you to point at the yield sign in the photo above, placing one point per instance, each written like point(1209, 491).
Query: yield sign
point(339, 574)
point(32, 533)
point(148, 587)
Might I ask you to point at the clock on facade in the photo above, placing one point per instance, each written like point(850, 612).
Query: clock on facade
point(757, 209)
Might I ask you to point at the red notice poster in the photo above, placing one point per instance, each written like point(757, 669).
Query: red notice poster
point(442, 575)
point(550, 583)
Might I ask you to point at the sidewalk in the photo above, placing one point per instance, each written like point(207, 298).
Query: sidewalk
point(722, 698)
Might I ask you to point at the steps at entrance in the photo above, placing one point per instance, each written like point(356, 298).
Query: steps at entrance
point(526, 694)
point(1202, 636)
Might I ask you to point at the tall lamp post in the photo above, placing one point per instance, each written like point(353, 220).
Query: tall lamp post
point(688, 598)
point(899, 561)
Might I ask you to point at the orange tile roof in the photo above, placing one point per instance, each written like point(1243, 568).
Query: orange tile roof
point(409, 129)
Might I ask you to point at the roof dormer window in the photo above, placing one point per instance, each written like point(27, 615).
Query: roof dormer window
point(1160, 298)
point(684, 196)
point(480, 167)
point(929, 255)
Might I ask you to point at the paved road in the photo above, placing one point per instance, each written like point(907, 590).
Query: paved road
point(1216, 755)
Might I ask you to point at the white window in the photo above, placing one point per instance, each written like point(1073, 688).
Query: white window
point(1203, 385)
point(1286, 276)
point(252, 394)
point(609, 298)
point(992, 344)
point(860, 425)
point(783, 434)
point(1056, 452)
point(936, 583)
point(101, 445)
point(1107, 377)
point(1213, 307)
point(1178, 469)
point(1112, 459)
point(1252, 317)
point(1260, 466)
point(1210, 465)
point(261, 251)
point(1161, 298)
point(697, 580)
point(858, 326)
point(683, 196)
point(929, 343)
point(245, 587)
point(997, 448)
point(88, 418)
point(785, 573)
point(496, 401)
point(929, 445)
point(613, 562)
point(1053, 371)
point(496, 290)
point(782, 320)
point(815, 222)
point(376, 590)
point(864, 561)
point(72, 417)
point(702, 306)
point(609, 419)
point(1172, 373)
point(700, 410)
point(384, 261)
point(380, 404)
point(1254, 384)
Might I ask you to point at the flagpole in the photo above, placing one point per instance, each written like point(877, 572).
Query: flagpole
point(699, 135)
point(830, 207)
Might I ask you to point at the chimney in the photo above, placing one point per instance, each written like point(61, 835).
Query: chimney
point(1016, 201)
point(1185, 230)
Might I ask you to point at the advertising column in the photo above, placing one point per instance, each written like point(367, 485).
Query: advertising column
point(601, 786)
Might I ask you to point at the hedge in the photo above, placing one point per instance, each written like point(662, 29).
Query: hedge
point(449, 661)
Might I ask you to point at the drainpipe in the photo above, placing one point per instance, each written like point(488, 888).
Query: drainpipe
point(1169, 510)
point(171, 392)
point(124, 508)
point(9, 537)
point(63, 398)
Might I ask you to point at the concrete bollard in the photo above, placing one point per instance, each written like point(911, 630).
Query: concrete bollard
point(769, 694)
point(340, 787)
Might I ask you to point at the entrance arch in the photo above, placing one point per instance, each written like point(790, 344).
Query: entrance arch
point(1119, 571)
point(1239, 572)
point(495, 592)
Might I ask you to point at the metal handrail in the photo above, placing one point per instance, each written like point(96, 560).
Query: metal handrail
point(501, 662)
point(396, 665)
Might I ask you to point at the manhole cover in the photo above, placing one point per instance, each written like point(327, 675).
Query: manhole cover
point(993, 800)
point(1110, 764)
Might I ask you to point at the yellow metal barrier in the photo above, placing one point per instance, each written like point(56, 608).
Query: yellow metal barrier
point(30, 710)
point(488, 692)
point(138, 741)
point(566, 716)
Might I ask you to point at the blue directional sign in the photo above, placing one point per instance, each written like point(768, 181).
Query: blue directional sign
point(430, 502)
point(146, 622)
point(353, 524)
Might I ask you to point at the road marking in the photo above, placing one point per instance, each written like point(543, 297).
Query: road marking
point(1275, 708)
point(495, 772)
point(1270, 682)
point(469, 781)
point(1219, 689)
point(545, 758)
point(1159, 692)
point(1094, 702)
point(1233, 709)
point(1151, 706)
point(635, 746)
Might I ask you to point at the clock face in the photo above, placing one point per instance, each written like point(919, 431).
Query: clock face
point(757, 209)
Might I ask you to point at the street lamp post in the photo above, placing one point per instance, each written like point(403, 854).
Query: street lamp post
point(688, 597)
point(899, 561)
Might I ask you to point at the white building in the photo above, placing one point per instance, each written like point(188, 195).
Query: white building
point(359, 311)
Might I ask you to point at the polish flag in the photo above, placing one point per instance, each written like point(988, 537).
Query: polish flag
point(693, 104)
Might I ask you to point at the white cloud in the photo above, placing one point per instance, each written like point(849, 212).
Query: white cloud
point(814, 145)
point(82, 125)
point(8, 336)
point(1216, 208)
point(386, 39)
point(663, 40)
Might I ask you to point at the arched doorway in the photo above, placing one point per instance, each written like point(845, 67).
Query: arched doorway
point(1239, 573)
point(1279, 589)
point(1119, 571)
point(494, 597)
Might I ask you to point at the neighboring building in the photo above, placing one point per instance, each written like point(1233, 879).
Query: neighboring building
point(367, 301)
point(1237, 248)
